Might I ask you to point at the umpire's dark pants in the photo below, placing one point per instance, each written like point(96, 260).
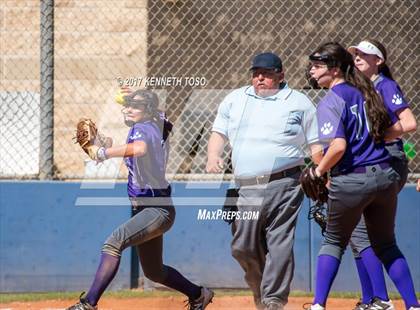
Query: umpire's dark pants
point(264, 247)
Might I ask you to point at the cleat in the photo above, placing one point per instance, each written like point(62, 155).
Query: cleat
point(201, 302)
point(378, 304)
point(274, 306)
point(361, 306)
point(82, 304)
point(313, 307)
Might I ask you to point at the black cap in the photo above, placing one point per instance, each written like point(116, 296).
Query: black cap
point(267, 61)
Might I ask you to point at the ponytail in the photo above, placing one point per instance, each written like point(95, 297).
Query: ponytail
point(163, 123)
point(383, 68)
point(377, 114)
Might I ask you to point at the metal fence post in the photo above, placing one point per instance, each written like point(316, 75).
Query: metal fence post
point(46, 160)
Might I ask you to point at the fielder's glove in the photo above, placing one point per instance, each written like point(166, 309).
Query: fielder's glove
point(90, 140)
point(314, 186)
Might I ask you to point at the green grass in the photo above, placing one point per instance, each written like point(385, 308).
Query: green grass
point(10, 297)
point(24, 297)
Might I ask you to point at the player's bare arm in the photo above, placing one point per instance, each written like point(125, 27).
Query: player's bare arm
point(135, 149)
point(335, 152)
point(394, 132)
point(316, 153)
point(407, 120)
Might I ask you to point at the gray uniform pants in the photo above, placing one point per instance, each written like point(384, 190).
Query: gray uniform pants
point(264, 247)
point(373, 194)
point(359, 239)
point(145, 232)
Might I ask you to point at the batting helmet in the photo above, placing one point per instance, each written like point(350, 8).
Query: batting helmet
point(334, 55)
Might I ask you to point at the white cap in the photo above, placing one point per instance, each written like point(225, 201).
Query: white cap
point(367, 48)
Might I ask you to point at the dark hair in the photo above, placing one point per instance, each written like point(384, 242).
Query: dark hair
point(165, 125)
point(150, 101)
point(336, 56)
point(383, 68)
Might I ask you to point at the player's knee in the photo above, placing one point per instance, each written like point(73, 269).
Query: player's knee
point(111, 250)
point(387, 254)
point(355, 251)
point(243, 252)
point(332, 250)
point(358, 246)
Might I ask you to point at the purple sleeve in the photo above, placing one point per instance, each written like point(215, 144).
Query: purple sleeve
point(393, 97)
point(330, 117)
point(139, 133)
point(393, 117)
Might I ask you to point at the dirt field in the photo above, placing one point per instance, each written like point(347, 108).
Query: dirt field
point(169, 303)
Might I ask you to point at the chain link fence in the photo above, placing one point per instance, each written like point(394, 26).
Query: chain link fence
point(192, 52)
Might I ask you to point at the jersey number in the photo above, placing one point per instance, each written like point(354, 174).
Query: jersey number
point(359, 124)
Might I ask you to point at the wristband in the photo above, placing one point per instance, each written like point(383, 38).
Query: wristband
point(101, 153)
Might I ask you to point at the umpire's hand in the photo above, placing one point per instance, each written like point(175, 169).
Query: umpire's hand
point(214, 165)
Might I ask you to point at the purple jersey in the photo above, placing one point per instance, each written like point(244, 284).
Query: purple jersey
point(391, 94)
point(341, 114)
point(146, 174)
point(394, 101)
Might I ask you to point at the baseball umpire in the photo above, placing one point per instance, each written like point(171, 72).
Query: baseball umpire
point(145, 155)
point(267, 125)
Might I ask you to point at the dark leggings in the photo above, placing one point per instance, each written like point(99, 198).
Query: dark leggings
point(150, 255)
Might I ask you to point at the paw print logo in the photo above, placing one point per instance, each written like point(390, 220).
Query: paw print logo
point(136, 135)
point(396, 99)
point(327, 128)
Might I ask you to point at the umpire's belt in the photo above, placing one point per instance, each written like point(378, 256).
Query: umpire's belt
point(264, 179)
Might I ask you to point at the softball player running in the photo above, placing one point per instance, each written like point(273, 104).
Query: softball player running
point(145, 156)
point(370, 58)
point(353, 123)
